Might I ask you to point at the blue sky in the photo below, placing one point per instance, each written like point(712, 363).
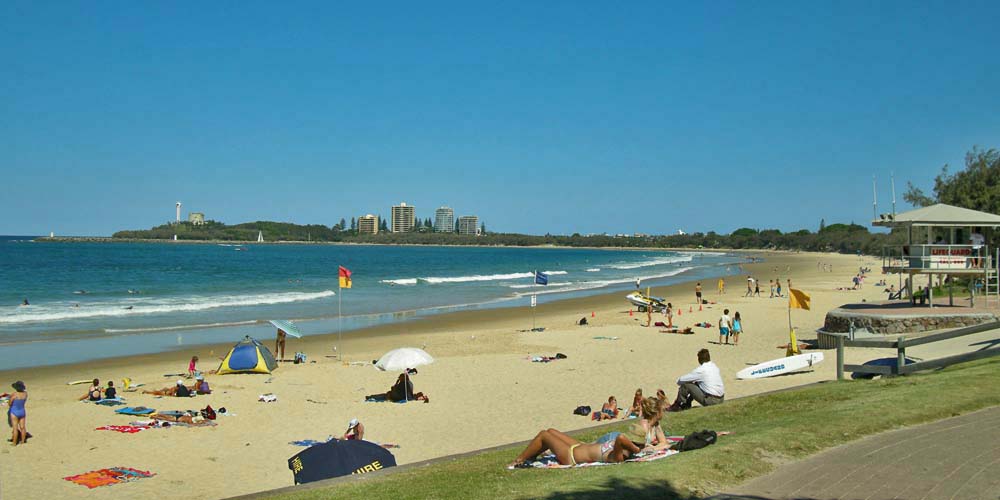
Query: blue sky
point(538, 117)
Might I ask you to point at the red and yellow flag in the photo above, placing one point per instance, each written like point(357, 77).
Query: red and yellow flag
point(345, 277)
point(797, 299)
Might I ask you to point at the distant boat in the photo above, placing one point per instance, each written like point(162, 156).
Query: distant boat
point(260, 236)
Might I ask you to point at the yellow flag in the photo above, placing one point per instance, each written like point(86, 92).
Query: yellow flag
point(797, 299)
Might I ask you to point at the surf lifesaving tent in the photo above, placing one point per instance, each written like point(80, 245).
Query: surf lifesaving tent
point(248, 356)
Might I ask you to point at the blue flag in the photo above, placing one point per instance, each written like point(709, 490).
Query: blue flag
point(541, 278)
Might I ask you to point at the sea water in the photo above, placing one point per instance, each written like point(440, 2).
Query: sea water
point(92, 300)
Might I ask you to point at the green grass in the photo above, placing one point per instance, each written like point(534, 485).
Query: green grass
point(767, 430)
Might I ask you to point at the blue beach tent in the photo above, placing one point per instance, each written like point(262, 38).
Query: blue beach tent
point(248, 356)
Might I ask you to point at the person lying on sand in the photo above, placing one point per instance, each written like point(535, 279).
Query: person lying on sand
point(569, 451)
point(180, 390)
point(186, 418)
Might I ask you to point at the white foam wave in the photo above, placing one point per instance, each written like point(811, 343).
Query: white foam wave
point(654, 262)
point(590, 285)
point(466, 279)
point(179, 327)
point(594, 270)
point(63, 311)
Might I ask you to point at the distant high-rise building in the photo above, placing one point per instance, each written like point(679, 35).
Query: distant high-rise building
point(444, 220)
point(196, 218)
point(468, 224)
point(368, 224)
point(403, 218)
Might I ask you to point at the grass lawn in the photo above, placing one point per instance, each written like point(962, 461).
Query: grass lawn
point(767, 431)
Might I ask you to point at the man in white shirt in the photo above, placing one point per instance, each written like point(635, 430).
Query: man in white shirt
point(703, 384)
point(977, 240)
point(725, 325)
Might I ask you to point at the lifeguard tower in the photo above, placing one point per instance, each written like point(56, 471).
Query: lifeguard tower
point(943, 241)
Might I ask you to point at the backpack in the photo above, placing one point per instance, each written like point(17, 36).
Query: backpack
point(696, 440)
point(582, 410)
point(583, 321)
point(208, 413)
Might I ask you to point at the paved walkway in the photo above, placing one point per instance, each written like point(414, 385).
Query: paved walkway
point(955, 458)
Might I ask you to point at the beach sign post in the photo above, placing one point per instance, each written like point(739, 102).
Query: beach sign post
point(540, 279)
point(344, 275)
point(797, 299)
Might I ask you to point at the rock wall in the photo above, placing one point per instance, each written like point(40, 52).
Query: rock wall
point(839, 320)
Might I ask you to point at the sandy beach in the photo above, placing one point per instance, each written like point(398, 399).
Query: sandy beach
point(484, 389)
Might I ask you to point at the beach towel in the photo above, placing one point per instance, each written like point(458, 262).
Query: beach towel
point(124, 429)
point(108, 402)
point(383, 399)
point(106, 477)
point(137, 410)
point(309, 442)
point(601, 337)
point(549, 461)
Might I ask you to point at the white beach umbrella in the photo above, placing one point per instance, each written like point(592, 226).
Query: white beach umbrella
point(403, 358)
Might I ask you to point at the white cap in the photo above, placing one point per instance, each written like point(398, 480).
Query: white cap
point(352, 424)
point(199, 377)
point(180, 382)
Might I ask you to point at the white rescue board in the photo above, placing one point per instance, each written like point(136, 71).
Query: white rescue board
point(781, 366)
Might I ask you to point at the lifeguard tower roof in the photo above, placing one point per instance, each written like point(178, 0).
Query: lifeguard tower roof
point(939, 215)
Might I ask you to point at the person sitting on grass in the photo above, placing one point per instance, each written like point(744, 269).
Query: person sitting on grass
point(569, 451)
point(647, 430)
point(402, 390)
point(180, 390)
point(703, 384)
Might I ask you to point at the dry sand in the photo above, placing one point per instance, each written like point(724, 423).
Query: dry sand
point(484, 391)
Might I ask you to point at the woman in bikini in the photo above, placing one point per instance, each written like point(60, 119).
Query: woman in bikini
point(569, 451)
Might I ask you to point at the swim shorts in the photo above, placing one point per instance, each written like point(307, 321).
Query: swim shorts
point(724, 331)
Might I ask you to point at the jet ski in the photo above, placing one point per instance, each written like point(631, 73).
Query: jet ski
point(638, 299)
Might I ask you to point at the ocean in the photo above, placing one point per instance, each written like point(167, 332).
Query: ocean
point(94, 300)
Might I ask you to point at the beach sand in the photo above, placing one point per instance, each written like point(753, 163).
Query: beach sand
point(484, 391)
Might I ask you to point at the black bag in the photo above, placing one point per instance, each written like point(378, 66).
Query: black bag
point(560, 355)
point(582, 410)
point(583, 321)
point(696, 440)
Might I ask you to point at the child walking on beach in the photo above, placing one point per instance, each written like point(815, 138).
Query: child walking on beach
point(191, 366)
point(737, 328)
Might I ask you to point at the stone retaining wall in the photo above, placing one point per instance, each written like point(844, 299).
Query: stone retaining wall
point(839, 320)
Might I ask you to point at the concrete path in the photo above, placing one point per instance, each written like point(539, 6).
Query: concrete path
point(955, 458)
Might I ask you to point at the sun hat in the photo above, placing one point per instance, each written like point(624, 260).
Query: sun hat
point(180, 382)
point(352, 424)
point(199, 377)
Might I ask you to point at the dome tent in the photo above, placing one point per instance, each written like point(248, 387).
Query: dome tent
point(248, 356)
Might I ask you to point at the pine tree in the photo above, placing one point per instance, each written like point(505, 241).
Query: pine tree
point(383, 225)
point(822, 225)
point(482, 228)
point(354, 225)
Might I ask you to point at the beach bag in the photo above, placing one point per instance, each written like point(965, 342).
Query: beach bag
point(208, 413)
point(560, 355)
point(583, 321)
point(300, 357)
point(696, 440)
point(582, 410)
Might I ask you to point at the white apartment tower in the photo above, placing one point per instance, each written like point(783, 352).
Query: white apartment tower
point(403, 218)
point(368, 224)
point(468, 224)
point(444, 220)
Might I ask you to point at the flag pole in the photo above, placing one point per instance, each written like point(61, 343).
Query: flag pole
point(340, 323)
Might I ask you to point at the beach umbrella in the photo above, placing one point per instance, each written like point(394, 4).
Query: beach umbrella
point(287, 326)
point(339, 458)
point(403, 358)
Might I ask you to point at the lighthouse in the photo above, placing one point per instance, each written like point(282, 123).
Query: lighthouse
point(178, 211)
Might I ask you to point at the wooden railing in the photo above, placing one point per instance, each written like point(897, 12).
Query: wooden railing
point(936, 257)
point(901, 343)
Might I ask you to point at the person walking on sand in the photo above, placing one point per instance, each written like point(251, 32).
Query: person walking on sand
point(749, 286)
point(777, 284)
point(649, 315)
point(722, 286)
point(737, 328)
point(669, 313)
point(191, 367)
point(703, 384)
point(637, 283)
point(279, 344)
point(725, 324)
point(697, 293)
point(18, 415)
point(756, 288)
point(771, 283)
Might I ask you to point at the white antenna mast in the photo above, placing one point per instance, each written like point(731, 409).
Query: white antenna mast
point(892, 180)
point(874, 200)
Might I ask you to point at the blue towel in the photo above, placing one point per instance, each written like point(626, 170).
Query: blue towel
point(138, 410)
